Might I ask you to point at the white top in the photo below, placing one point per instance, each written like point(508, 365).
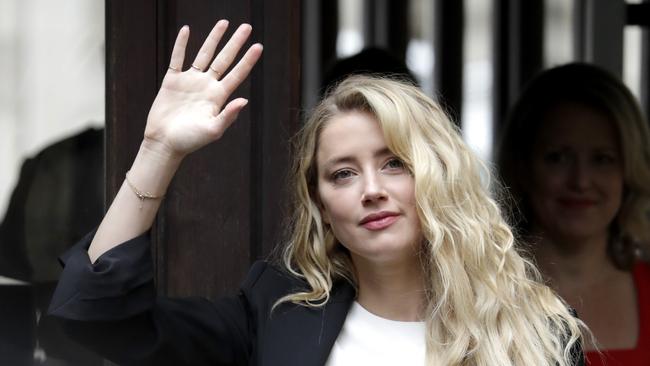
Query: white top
point(367, 339)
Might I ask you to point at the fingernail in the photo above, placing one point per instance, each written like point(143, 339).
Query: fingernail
point(243, 104)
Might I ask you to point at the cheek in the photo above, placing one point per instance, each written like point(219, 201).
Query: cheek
point(543, 198)
point(543, 181)
point(545, 189)
point(541, 188)
point(340, 223)
point(616, 188)
point(409, 194)
point(324, 213)
point(333, 207)
point(401, 188)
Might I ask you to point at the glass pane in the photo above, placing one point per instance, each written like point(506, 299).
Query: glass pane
point(349, 40)
point(632, 56)
point(477, 76)
point(559, 31)
point(419, 52)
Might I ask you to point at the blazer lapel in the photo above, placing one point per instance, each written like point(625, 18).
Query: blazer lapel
point(304, 336)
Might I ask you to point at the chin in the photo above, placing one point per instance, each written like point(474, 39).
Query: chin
point(582, 233)
point(389, 254)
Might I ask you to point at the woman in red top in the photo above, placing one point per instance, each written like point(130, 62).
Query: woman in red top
point(575, 154)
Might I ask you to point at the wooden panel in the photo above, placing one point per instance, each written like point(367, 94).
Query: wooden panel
point(329, 28)
point(223, 209)
point(131, 82)
point(398, 27)
point(518, 45)
point(603, 34)
point(277, 120)
point(204, 242)
point(637, 14)
point(448, 44)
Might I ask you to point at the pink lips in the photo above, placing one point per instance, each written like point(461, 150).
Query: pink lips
point(379, 221)
point(577, 203)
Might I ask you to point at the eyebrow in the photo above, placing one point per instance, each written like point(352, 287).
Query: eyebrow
point(349, 159)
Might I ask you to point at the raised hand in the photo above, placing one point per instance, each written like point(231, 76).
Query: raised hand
point(190, 109)
point(189, 112)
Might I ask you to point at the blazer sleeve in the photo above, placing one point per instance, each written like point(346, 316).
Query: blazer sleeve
point(111, 307)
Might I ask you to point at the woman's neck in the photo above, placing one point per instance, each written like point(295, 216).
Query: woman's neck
point(584, 276)
point(394, 292)
point(577, 261)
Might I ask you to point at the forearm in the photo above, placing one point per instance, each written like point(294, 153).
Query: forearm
point(129, 216)
point(189, 112)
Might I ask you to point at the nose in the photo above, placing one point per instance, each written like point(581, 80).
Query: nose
point(373, 189)
point(581, 175)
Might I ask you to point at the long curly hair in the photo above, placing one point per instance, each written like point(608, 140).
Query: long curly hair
point(597, 89)
point(485, 304)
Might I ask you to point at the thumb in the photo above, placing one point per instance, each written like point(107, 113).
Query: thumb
point(228, 115)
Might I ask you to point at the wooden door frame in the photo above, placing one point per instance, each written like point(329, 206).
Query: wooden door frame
point(224, 208)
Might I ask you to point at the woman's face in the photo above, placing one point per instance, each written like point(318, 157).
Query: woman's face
point(366, 193)
point(576, 184)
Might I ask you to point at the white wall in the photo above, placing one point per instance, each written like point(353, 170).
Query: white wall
point(51, 77)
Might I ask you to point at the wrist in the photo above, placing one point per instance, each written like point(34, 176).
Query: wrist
point(159, 153)
point(153, 168)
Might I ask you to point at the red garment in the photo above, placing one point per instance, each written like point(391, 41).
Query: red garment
point(640, 355)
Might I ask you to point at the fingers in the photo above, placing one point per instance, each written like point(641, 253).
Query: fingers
point(178, 53)
point(210, 45)
point(225, 58)
point(227, 116)
point(238, 73)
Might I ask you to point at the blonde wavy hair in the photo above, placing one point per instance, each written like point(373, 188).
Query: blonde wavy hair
point(597, 89)
point(485, 304)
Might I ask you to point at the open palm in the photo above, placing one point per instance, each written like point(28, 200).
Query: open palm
point(190, 109)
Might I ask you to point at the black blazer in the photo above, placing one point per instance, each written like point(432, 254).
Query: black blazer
point(111, 307)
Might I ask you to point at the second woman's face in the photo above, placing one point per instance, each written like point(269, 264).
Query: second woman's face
point(366, 193)
point(576, 184)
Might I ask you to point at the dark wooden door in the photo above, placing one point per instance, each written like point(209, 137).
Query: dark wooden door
point(225, 207)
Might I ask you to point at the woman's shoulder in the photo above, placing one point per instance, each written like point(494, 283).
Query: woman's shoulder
point(268, 282)
point(265, 273)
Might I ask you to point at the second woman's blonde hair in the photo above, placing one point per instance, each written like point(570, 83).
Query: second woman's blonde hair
point(485, 304)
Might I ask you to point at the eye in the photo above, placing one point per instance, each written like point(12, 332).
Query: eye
point(395, 165)
point(604, 159)
point(341, 175)
point(556, 157)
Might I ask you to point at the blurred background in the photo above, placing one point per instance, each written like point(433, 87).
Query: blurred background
point(77, 78)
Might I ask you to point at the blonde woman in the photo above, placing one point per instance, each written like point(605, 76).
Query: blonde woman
point(576, 156)
point(397, 255)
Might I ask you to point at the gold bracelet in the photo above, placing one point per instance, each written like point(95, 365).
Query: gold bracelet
point(141, 195)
